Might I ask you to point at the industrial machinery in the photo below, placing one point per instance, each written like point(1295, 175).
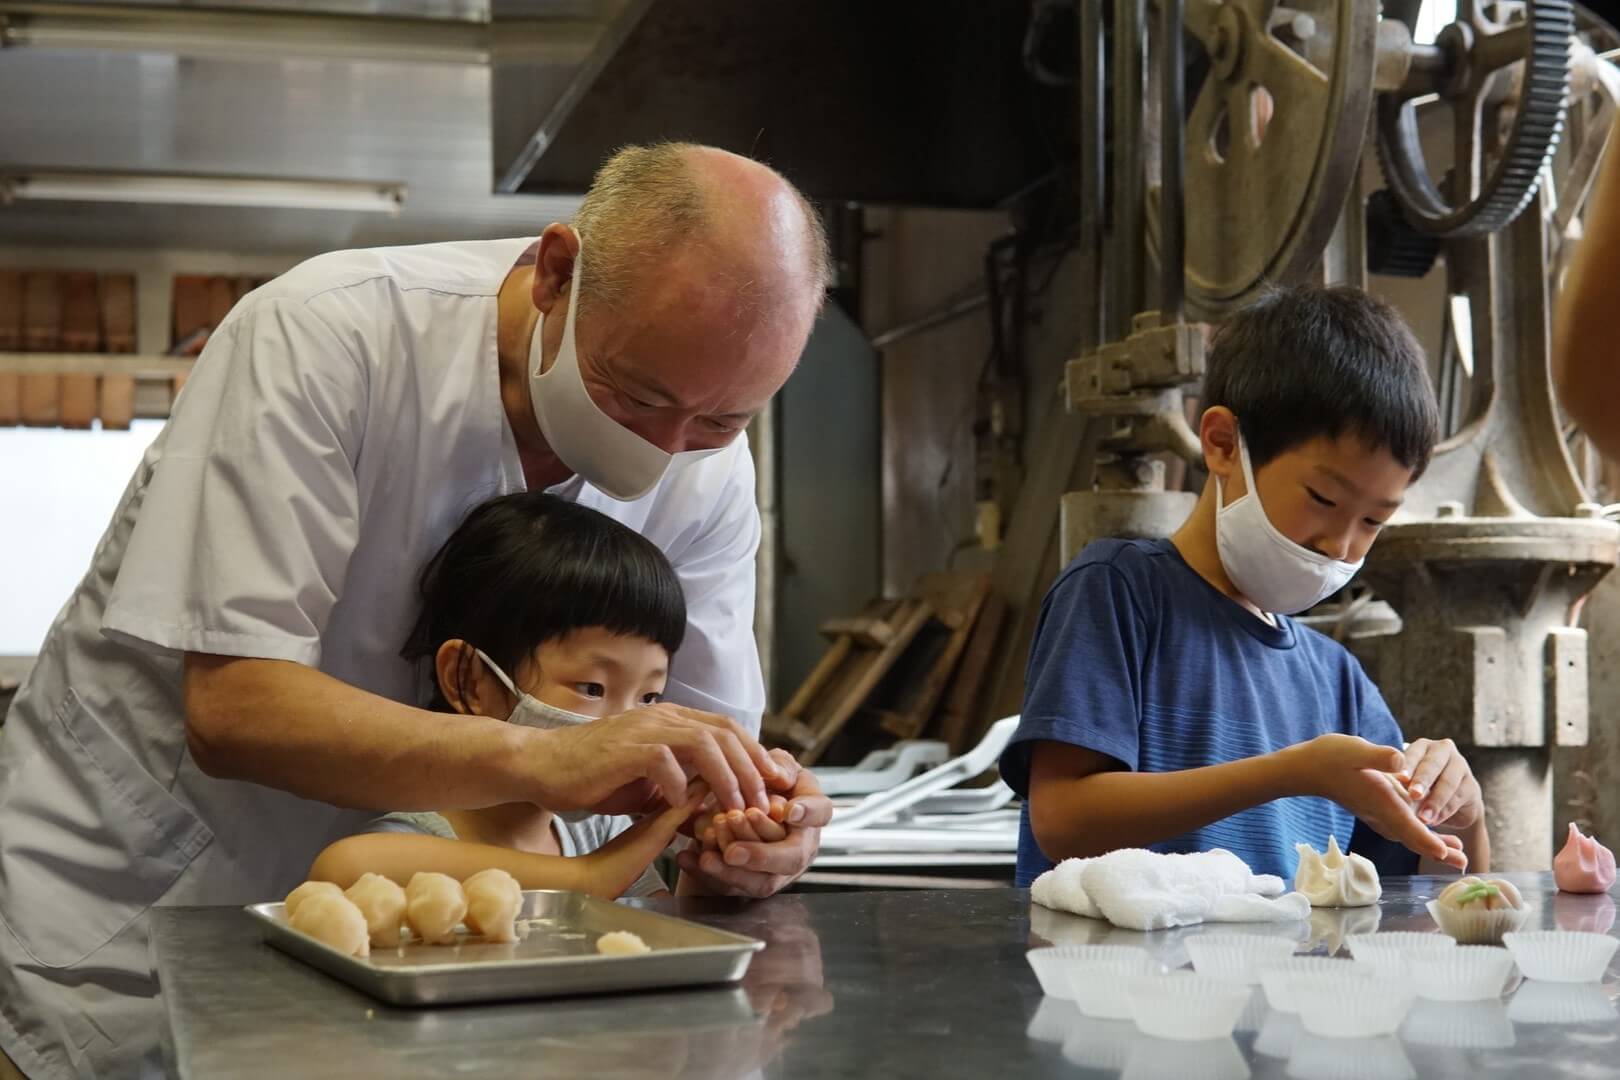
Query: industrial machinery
point(1238, 142)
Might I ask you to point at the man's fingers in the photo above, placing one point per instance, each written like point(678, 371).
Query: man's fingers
point(660, 767)
point(738, 881)
point(787, 858)
point(810, 811)
point(699, 750)
point(749, 775)
point(763, 764)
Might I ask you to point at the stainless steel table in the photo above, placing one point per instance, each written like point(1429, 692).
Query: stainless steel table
point(902, 984)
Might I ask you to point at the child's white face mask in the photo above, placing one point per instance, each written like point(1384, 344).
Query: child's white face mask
point(1266, 566)
point(531, 711)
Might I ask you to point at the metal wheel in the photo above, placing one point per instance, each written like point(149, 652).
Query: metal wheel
point(1472, 56)
point(1274, 138)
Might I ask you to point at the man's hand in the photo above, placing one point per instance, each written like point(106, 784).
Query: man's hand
point(755, 855)
point(1443, 788)
point(1370, 781)
point(647, 755)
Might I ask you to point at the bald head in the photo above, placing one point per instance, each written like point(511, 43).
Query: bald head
point(738, 224)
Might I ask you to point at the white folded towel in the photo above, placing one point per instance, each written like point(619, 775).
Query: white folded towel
point(1144, 890)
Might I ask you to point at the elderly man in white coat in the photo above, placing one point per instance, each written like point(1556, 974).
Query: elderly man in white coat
point(223, 694)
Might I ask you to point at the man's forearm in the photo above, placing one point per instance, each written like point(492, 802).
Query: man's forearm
point(1078, 817)
point(287, 726)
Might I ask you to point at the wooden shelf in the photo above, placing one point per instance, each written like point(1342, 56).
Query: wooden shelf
point(130, 364)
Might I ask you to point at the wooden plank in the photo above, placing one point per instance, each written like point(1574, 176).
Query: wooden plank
point(40, 396)
point(221, 298)
point(190, 308)
point(915, 615)
point(960, 718)
point(10, 340)
point(81, 333)
point(118, 336)
point(870, 631)
point(830, 661)
point(956, 600)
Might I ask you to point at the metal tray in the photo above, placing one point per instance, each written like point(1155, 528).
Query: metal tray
point(557, 958)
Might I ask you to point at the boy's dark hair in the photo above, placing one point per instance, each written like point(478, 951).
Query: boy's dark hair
point(528, 568)
point(1307, 362)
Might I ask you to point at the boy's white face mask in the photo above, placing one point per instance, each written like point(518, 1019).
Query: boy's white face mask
point(608, 455)
point(532, 712)
point(1266, 566)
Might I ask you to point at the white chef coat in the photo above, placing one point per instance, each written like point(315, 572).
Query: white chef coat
point(339, 424)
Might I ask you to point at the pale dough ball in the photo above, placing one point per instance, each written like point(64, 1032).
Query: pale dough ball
point(494, 898)
point(333, 919)
point(621, 943)
point(435, 906)
point(382, 902)
point(307, 890)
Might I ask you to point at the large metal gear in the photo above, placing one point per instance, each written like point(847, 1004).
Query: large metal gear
point(1466, 68)
point(1273, 140)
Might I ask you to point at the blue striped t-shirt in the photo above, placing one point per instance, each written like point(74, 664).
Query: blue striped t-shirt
point(1138, 657)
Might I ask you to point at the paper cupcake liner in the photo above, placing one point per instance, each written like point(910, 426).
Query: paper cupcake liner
point(1476, 925)
point(1188, 1008)
point(1562, 955)
point(1560, 1003)
point(1387, 954)
point(1236, 957)
point(1274, 978)
point(1094, 980)
point(1053, 1020)
point(1278, 1035)
point(1052, 963)
point(1212, 1059)
point(1459, 1025)
point(1381, 1058)
point(1466, 973)
point(1350, 1006)
point(1100, 1044)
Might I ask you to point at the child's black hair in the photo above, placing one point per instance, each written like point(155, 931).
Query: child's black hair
point(528, 568)
point(1307, 362)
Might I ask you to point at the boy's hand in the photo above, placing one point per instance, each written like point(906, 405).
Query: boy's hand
point(1442, 786)
point(1370, 781)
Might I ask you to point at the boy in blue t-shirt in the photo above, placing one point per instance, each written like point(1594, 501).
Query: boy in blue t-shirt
point(1169, 701)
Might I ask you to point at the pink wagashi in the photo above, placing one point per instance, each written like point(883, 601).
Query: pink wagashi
point(1584, 866)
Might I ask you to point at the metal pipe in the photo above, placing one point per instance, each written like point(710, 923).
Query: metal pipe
point(1093, 156)
point(927, 322)
point(1172, 148)
point(1124, 265)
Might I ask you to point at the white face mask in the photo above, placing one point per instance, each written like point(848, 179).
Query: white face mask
point(1266, 566)
point(532, 712)
point(609, 456)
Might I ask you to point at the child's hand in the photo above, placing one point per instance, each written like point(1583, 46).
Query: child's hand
point(1370, 781)
point(1442, 786)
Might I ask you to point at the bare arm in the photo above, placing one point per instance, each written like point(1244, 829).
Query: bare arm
point(1585, 363)
point(287, 726)
point(1083, 803)
point(606, 872)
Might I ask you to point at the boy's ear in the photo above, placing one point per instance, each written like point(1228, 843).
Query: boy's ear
point(1218, 434)
point(462, 678)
